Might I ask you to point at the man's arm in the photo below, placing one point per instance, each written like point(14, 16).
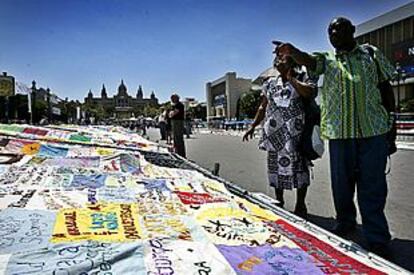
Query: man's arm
point(177, 109)
point(386, 72)
point(174, 113)
point(387, 96)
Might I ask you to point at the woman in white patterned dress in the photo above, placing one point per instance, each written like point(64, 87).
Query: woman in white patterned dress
point(284, 118)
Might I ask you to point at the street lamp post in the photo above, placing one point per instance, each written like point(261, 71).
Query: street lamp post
point(32, 101)
point(49, 109)
point(398, 68)
point(400, 77)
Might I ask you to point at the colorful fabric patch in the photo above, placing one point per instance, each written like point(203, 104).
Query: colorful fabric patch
point(17, 198)
point(11, 128)
point(151, 184)
point(155, 202)
point(31, 149)
point(80, 138)
point(266, 259)
point(52, 151)
point(332, 261)
point(113, 195)
point(16, 145)
point(100, 222)
point(91, 162)
point(92, 181)
point(171, 227)
point(130, 163)
point(24, 230)
point(35, 131)
point(232, 226)
point(163, 256)
point(197, 198)
point(81, 258)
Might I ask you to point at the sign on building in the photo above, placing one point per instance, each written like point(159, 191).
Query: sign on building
point(7, 85)
point(403, 53)
point(56, 111)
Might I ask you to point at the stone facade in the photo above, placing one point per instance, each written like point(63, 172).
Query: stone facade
point(122, 104)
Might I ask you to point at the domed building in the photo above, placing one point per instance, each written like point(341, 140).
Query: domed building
point(121, 105)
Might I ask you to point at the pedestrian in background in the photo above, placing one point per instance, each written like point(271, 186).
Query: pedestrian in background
point(177, 125)
point(162, 123)
point(188, 124)
point(355, 122)
point(168, 128)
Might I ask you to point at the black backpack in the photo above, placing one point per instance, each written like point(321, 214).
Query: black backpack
point(312, 119)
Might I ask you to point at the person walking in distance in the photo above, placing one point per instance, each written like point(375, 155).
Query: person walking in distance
point(177, 125)
point(162, 123)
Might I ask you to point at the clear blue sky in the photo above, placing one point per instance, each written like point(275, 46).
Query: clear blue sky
point(73, 46)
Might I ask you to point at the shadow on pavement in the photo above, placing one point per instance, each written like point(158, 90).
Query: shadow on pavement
point(402, 250)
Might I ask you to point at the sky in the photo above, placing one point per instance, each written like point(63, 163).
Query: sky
point(166, 46)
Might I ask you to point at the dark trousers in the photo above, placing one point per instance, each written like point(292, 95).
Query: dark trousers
point(177, 127)
point(163, 130)
point(361, 163)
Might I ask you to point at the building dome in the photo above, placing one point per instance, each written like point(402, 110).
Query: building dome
point(122, 89)
point(140, 93)
point(270, 72)
point(103, 92)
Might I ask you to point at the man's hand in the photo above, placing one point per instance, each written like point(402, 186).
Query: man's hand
point(249, 134)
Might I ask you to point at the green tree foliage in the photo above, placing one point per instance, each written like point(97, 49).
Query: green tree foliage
point(249, 102)
point(139, 111)
point(70, 110)
point(17, 108)
point(39, 110)
point(198, 112)
point(151, 111)
point(407, 105)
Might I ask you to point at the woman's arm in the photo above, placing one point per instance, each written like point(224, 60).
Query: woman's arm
point(260, 114)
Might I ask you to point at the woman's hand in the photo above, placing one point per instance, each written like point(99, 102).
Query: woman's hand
point(249, 134)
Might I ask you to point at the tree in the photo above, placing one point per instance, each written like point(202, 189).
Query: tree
point(39, 110)
point(151, 111)
point(407, 105)
point(199, 111)
point(95, 110)
point(166, 105)
point(249, 102)
point(70, 110)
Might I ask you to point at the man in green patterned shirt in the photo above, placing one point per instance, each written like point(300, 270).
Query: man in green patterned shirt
point(355, 122)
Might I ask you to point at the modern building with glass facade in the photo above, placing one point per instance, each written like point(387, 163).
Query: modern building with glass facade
point(393, 33)
point(223, 95)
